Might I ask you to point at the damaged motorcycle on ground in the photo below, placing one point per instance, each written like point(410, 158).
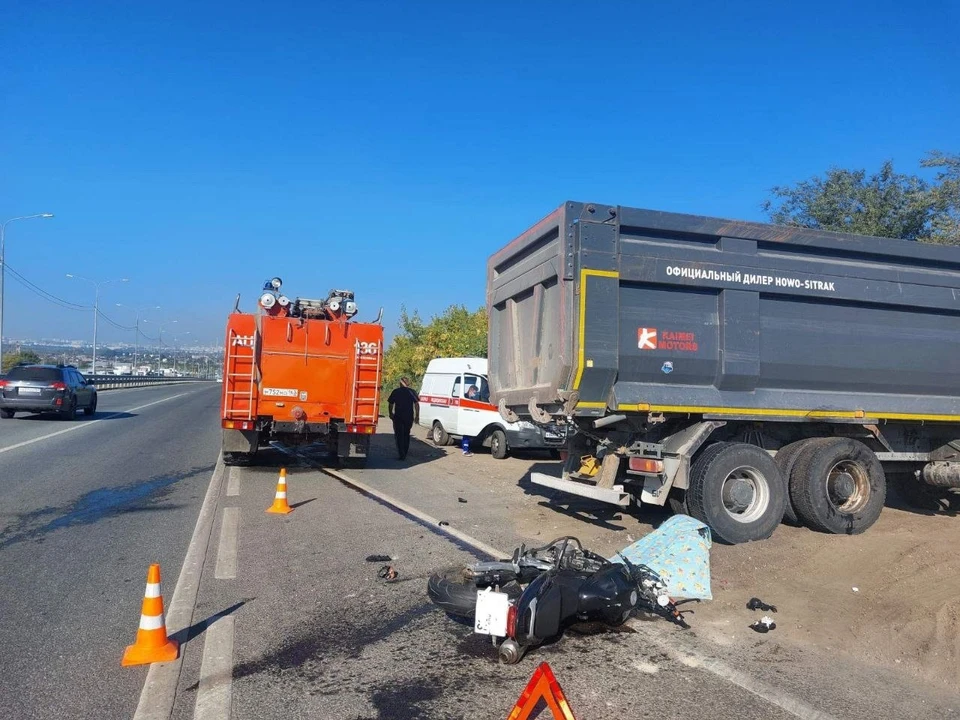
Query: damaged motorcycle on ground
point(531, 598)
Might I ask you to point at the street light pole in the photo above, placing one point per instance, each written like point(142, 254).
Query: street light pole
point(96, 309)
point(3, 266)
point(160, 342)
point(136, 336)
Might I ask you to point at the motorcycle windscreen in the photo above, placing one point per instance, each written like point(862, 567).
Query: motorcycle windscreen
point(679, 552)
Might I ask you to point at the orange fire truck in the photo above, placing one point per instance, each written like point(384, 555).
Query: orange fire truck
point(300, 371)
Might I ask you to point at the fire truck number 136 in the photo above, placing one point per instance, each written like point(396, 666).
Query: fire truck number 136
point(370, 348)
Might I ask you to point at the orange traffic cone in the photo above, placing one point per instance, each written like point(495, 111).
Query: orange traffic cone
point(152, 643)
point(280, 505)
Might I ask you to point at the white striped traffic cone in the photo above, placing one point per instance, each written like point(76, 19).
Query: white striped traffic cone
point(152, 643)
point(280, 506)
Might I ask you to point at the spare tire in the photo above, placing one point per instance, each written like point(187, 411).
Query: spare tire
point(454, 592)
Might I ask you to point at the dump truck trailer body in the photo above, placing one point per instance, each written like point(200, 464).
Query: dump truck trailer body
point(666, 340)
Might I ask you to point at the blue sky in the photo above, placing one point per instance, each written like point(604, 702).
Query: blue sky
point(391, 147)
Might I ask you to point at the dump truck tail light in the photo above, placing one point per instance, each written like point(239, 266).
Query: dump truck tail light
point(646, 465)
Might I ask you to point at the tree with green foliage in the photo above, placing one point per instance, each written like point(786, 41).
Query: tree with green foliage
point(885, 204)
point(23, 356)
point(945, 227)
point(457, 332)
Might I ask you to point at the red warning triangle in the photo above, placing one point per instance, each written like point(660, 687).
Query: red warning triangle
point(542, 686)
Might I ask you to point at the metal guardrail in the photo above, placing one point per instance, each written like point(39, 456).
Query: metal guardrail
point(114, 382)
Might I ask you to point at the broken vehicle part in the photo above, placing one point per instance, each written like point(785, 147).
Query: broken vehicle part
point(758, 604)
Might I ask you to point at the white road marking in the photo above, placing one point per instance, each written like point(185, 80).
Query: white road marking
point(233, 482)
point(693, 659)
point(89, 423)
point(215, 694)
point(479, 545)
point(160, 688)
point(227, 553)
point(690, 658)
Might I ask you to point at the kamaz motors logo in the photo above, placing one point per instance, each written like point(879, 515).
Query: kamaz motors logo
point(647, 338)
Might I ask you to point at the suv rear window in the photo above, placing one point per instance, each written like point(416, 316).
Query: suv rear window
point(35, 374)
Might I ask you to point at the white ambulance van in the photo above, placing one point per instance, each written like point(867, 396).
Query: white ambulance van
point(449, 412)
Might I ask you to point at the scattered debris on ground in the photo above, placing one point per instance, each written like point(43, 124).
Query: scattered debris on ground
point(763, 625)
point(387, 572)
point(379, 558)
point(758, 604)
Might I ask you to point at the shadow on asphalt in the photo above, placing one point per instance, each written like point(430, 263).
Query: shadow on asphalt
point(596, 513)
point(53, 418)
point(189, 633)
point(294, 506)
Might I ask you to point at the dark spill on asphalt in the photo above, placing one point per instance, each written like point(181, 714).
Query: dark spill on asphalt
point(97, 504)
point(343, 638)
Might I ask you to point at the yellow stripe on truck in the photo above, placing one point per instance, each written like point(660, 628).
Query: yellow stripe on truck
point(839, 414)
point(584, 274)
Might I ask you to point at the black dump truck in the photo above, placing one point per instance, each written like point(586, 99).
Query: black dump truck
point(739, 372)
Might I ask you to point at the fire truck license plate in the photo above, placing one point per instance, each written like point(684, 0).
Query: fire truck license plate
point(491, 614)
point(279, 392)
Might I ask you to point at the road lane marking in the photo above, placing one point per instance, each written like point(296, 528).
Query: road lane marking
point(691, 658)
point(215, 694)
point(233, 482)
point(422, 516)
point(88, 423)
point(227, 553)
point(160, 688)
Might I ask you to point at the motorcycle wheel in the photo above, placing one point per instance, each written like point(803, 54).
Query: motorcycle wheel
point(454, 592)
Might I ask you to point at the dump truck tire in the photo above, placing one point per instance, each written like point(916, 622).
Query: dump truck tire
point(786, 460)
point(838, 486)
point(738, 491)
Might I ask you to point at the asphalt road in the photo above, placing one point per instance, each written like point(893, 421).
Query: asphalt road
point(314, 633)
point(291, 620)
point(85, 507)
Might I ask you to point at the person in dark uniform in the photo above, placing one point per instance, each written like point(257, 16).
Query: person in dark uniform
point(404, 408)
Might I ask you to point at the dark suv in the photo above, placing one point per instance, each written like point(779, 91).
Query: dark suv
point(46, 388)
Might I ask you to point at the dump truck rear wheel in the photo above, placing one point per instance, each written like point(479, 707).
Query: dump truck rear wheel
point(838, 486)
point(439, 435)
point(786, 460)
point(738, 491)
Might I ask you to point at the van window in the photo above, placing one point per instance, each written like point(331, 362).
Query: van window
point(471, 381)
point(456, 388)
point(484, 390)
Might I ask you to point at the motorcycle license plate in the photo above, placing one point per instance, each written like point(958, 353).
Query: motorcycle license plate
point(491, 613)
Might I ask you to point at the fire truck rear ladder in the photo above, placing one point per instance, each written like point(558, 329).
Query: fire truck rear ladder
point(239, 384)
point(366, 389)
